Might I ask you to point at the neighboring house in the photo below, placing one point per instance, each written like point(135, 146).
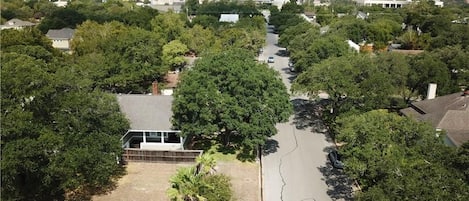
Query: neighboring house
point(61, 3)
point(391, 3)
point(233, 18)
point(150, 122)
point(310, 19)
point(362, 15)
point(172, 79)
point(448, 113)
point(16, 24)
point(61, 38)
point(353, 46)
point(167, 2)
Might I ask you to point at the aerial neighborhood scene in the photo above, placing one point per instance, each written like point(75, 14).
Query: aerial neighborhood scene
point(234, 100)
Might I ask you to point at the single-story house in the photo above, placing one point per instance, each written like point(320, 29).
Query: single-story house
point(449, 113)
point(150, 122)
point(61, 38)
point(16, 24)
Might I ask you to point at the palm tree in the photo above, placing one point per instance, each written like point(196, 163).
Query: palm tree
point(186, 185)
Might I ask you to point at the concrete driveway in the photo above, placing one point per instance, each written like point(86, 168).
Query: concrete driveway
point(294, 162)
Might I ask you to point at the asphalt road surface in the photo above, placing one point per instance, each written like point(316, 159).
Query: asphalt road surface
point(294, 162)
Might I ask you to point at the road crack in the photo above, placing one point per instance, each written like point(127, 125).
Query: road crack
point(281, 162)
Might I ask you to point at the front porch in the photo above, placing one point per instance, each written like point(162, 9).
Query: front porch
point(153, 140)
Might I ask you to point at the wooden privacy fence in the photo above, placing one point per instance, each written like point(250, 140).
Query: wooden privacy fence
point(160, 156)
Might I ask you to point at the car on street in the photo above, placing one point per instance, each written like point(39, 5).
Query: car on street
point(334, 157)
point(270, 59)
point(291, 67)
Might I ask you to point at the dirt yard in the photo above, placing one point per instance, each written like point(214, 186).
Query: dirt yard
point(149, 181)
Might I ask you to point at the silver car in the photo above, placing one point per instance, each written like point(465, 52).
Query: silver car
point(270, 60)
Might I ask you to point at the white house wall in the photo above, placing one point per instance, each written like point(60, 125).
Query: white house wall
point(161, 146)
point(166, 2)
point(61, 44)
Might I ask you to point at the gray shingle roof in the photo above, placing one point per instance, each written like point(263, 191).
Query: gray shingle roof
point(450, 113)
point(19, 22)
point(16, 23)
point(147, 112)
point(65, 33)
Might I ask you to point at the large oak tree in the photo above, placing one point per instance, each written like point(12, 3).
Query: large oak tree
point(229, 98)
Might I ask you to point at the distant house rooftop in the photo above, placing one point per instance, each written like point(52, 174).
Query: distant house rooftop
point(16, 24)
point(229, 18)
point(65, 33)
point(147, 112)
point(449, 113)
point(362, 15)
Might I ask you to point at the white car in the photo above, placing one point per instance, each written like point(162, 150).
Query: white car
point(270, 60)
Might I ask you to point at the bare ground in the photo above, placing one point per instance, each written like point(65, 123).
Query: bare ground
point(149, 181)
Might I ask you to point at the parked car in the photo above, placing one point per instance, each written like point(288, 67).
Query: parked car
point(334, 157)
point(270, 59)
point(291, 67)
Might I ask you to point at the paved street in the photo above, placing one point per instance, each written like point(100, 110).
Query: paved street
point(295, 160)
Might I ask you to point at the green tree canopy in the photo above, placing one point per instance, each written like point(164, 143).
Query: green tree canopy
point(57, 138)
point(425, 69)
point(290, 33)
point(320, 48)
point(232, 99)
point(168, 26)
point(201, 40)
point(353, 82)
point(351, 28)
point(396, 158)
point(173, 54)
point(126, 59)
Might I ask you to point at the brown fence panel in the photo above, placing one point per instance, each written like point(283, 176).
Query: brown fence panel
point(140, 155)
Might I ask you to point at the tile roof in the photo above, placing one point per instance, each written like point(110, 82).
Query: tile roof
point(147, 112)
point(65, 33)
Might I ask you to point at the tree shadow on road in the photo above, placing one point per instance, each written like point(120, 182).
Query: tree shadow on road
point(340, 186)
point(271, 146)
point(308, 115)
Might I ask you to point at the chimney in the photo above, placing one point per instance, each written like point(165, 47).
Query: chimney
point(154, 87)
point(431, 93)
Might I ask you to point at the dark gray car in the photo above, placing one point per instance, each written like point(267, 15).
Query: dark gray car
point(334, 157)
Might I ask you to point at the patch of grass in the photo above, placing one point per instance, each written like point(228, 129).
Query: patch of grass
point(221, 156)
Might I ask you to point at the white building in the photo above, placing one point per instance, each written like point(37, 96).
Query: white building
point(167, 2)
point(391, 3)
point(232, 18)
point(61, 38)
point(150, 122)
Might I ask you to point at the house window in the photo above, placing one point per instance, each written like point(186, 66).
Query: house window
point(172, 138)
point(153, 137)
